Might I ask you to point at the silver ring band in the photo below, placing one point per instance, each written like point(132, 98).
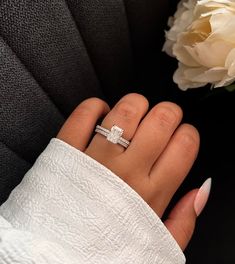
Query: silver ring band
point(114, 135)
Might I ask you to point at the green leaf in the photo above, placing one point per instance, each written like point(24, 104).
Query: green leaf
point(230, 88)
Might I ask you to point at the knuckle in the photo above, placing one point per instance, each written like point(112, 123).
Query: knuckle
point(95, 103)
point(89, 106)
point(189, 138)
point(126, 110)
point(174, 107)
point(139, 101)
point(168, 114)
point(83, 110)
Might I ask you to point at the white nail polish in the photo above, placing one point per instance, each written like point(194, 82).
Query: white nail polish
point(202, 196)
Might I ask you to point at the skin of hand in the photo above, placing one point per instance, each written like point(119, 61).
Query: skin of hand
point(159, 157)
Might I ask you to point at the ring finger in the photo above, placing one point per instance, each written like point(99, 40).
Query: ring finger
point(126, 114)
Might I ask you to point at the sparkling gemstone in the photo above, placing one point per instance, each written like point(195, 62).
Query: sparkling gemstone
point(115, 134)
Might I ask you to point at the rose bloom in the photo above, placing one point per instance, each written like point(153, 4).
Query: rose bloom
point(202, 38)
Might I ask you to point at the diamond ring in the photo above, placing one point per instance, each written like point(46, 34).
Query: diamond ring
point(114, 135)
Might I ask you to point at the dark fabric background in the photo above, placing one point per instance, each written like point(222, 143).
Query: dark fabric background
point(56, 53)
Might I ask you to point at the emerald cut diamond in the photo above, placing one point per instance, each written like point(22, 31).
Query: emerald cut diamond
point(115, 134)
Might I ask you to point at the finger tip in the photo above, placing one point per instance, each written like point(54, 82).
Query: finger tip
point(202, 196)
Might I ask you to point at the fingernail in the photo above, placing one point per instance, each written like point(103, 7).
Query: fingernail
point(202, 196)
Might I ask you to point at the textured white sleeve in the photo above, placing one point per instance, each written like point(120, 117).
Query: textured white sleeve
point(71, 209)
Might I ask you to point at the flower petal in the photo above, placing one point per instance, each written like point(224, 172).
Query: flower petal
point(230, 63)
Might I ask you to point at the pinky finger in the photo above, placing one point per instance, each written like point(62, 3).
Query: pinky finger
point(182, 219)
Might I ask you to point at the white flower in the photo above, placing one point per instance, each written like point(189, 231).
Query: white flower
point(202, 38)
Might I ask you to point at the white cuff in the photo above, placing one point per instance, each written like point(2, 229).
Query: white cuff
point(72, 200)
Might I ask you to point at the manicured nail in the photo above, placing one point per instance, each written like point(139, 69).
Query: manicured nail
point(202, 196)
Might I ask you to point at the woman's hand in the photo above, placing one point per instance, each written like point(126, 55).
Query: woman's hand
point(160, 155)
